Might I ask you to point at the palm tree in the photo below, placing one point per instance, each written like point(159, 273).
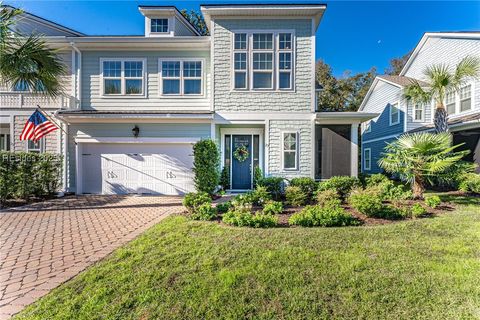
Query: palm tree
point(440, 81)
point(27, 60)
point(419, 157)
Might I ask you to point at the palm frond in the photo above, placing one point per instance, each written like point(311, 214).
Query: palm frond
point(414, 91)
point(469, 67)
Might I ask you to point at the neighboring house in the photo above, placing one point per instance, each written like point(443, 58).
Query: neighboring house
point(397, 115)
point(142, 101)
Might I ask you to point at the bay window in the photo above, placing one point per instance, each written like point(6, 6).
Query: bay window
point(123, 76)
point(290, 151)
point(181, 77)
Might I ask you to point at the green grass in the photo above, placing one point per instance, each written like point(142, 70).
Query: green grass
point(181, 269)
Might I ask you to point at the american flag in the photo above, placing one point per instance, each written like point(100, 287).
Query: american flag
point(37, 126)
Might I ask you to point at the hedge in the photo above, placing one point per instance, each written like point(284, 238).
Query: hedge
point(25, 175)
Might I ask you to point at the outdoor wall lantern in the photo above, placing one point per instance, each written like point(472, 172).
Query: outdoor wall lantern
point(136, 131)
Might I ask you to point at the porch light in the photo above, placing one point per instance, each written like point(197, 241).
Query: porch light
point(136, 131)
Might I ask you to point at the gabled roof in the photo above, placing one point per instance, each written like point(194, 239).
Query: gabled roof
point(146, 9)
point(401, 80)
point(427, 35)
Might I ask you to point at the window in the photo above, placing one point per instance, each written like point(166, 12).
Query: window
point(180, 77)
point(465, 98)
point(159, 25)
point(290, 150)
point(36, 147)
point(4, 142)
point(240, 61)
point(123, 77)
point(23, 86)
point(367, 159)
point(263, 61)
point(450, 102)
point(394, 114)
point(368, 127)
point(419, 112)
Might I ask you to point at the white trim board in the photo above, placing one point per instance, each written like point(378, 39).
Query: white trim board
point(80, 139)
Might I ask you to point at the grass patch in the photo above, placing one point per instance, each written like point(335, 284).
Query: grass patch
point(183, 269)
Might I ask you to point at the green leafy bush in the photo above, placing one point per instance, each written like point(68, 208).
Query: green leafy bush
point(376, 179)
point(204, 212)
point(225, 178)
point(393, 192)
point(243, 200)
point(193, 200)
point(295, 196)
point(328, 197)
point(24, 175)
point(433, 201)
point(342, 184)
point(206, 162)
point(417, 210)
point(273, 207)
point(260, 195)
point(453, 177)
point(224, 207)
point(317, 216)
point(308, 185)
point(257, 176)
point(244, 218)
point(368, 201)
point(274, 186)
point(471, 183)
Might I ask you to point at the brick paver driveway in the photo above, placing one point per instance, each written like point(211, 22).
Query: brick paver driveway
point(45, 244)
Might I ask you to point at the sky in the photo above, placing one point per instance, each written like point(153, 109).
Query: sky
point(353, 35)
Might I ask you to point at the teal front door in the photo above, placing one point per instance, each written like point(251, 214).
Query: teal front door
point(242, 169)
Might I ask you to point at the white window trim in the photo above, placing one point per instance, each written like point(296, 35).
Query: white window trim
point(458, 101)
point(277, 56)
point(297, 150)
point(249, 51)
point(367, 127)
point(424, 107)
point(369, 159)
point(42, 146)
point(181, 78)
point(397, 103)
point(6, 137)
point(123, 78)
point(148, 27)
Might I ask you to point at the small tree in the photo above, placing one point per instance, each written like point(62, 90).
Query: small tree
point(206, 160)
point(420, 156)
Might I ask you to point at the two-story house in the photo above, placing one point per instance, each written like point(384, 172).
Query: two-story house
point(398, 115)
point(142, 101)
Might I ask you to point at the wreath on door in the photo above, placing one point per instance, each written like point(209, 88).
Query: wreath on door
point(241, 153)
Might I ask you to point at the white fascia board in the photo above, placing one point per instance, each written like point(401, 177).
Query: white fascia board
point(88, 139)
point(343, 117)
point(146, 118)
point(260, 116)
point(190, 42)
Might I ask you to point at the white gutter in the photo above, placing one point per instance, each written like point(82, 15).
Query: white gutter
point(78, 76)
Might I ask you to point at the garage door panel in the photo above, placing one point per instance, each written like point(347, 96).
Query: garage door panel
point(138, 168)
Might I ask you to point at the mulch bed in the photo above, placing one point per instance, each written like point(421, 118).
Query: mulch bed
point(13, 203)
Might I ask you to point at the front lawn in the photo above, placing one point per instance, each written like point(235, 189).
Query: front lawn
point(183, 269)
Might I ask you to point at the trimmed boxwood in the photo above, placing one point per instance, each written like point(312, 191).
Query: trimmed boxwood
point(206, 161)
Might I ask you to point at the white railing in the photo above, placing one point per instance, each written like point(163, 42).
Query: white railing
point(9, 99)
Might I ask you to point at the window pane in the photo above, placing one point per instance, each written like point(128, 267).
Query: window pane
point(112, 86)
point(171, 69)
point(159, 25)
point(171, 86)
point(241, 41)
point(451, 108)
point(262, 61)
point(227, 151)
point(289, 160)
point(112, 68)
point(256, 150)
point(192, 86)
point(450, 98)
point(393, 114)
point(133, 69)
point(133, 86)
point(285, 61)
point(465, 92)
point(284, 80)
point(240, 80)
point(290, 141)
point(262, 80)
point(192, 69)
point(465, 105)
point(240, 61)
point(285, 41)
point(262, 41)
point(34, 146)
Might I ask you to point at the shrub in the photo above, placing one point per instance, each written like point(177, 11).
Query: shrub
point(24, 175)
point(274, 186)
point(205, 166)
point(417, 210)
point(452, 178)
point(242, 200)
point(193, 200)
point(308, 185)
point(313, 216)
point(393, 192)
point(376, 179)
point(204, 212)
point(244, 218)
point(471, 183)
point(368, 201)
point(433, 201)
point(342, 184)
point(257, 176)
point(273, 207)
point(224, 207)
point(328, 197)
point(225, 178)
point(260, 195)
point(295, 196)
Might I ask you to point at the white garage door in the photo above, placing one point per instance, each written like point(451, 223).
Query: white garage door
point(137, 168)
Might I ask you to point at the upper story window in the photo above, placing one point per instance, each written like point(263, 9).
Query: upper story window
point(450, 102)
point(263, 60)
point(419, 112)
point(123, 76)
point(159, 25)
point(394, 114)
point(466, 98)
point(461, 101)
point(181, 77)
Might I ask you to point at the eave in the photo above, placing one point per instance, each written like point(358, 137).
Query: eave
point(343, 117)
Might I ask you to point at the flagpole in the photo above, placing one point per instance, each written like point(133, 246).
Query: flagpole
point(51, 119)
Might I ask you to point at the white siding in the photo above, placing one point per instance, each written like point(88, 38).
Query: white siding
point(427, 118)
